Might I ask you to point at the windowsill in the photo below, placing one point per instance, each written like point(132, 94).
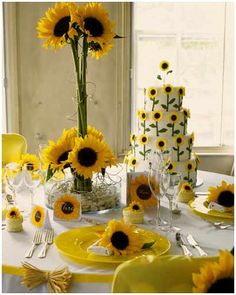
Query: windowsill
point(214, 150)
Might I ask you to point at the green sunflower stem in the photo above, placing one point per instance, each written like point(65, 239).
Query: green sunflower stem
point(153, 104)
point(157, 131)
point(167, 109)
point(144, 152)
point(179, 104)
point(189, 152)
point(81, 184)
point(184, 131)
point(178, 153)
point(173, 129)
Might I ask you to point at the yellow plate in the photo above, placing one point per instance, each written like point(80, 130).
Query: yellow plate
point(74, 243)
point(200, 205)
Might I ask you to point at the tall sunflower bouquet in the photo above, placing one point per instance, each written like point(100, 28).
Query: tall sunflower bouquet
point(88, 30)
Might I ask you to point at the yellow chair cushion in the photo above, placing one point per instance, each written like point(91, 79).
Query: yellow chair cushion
point(151, 274)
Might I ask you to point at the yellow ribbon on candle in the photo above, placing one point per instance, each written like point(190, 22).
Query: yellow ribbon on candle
point(58, 281)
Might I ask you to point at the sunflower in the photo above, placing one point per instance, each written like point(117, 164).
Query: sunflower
point(191, 139)
point(98, 50)
point(67, 207)
point(143, 139)
point(30, 161)
point(167, 89)
point(142, 115)
point(121, 238)
point(152, 92)
point(164, 65)
point(190, 166)
point(223, 195)
point(132, 162)
point(13, 213)
point(161, 143)
point(181, 90)
point(111, 159)
point(93, 21)
point(56, 154)
point(38, 216)
point(157, 116)
point(173, 117)
point(56, 25)
point(179, 140)
point(216, 277)
point(135, 206)
point(141, 192)
point(171, 166)
point(196, 157)
point(186, 112)
point(89, 155)
point(126, 160)
point(73, 132)
point(133, 137)
point(186, 186)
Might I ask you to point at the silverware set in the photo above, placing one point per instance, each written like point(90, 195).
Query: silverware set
point(37, 240)
point(181, 242)
point(220, 224)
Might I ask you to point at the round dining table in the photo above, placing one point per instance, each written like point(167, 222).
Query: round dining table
point(96, 277)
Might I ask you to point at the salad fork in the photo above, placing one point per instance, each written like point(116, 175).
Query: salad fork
point(48, 240)
point(36, 241)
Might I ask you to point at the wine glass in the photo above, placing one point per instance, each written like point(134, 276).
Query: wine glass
point(169, 185)
point(161, 157)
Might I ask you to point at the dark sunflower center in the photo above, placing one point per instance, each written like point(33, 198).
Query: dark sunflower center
point(185, 113)
point(135, 207)
point(87, 157)
point(226, 199)
point(179, 140)
point(63, 157)
point(94, 26)
point(133, 137)
point(143, 115)
point(144, 139)
point(170, 166)
point(168, 89)
point(13, 214)
point(164, 66)
point(187, 188)
point(144, 192)
point(134, 162)
point(191, 141)
point(95, 46)
point(180, 91)
point(157, 115)
point(120, 240)
point(161, 143)
point(37, 216)
point(153, 92)
point(225, 285)
point(173, 117)
point(30, 166)
point(67, 208)
point(62, 26)
point(189, 166)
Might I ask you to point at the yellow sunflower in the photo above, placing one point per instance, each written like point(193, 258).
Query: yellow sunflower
point(167, 89)
point(191, 139)
point(181, 91)
point(135, 206)
point(186, 186)
point(133, 137)
point(190, 166)
point(121, 238)
point(13, 213)
point(186, 112)
point(196, 157)
point(126, 160)
point(141, 192)
point(223, 195)
point(98, 50)
point(173, 117)
point(171, 166)
point(164, 65)
point(93, 20)
point(161, 143)
point(152, 92)
point(216, 277)
point(143, 139)
point(89, 155)
point(38, 216)
point(73, 132)
point(142, 115)
point(56, 25)
point(157, 116)
point(179, 140)
point(30, 161)
point(67, 207)
point(132, 162)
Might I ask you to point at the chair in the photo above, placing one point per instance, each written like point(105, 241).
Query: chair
point(153, 274)
point(13, 146)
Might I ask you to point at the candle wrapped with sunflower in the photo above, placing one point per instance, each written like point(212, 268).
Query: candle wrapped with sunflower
point(88, 30)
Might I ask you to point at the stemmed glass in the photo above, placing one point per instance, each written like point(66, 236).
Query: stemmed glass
point(169, 185)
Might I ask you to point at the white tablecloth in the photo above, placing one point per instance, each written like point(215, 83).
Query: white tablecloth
point(96, 279)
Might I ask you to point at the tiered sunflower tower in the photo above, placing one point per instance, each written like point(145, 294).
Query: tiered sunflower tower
point(162, 125)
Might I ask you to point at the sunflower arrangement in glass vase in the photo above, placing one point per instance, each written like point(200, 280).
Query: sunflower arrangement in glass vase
point(87, 29)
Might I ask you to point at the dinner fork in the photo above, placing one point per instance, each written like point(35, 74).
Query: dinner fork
point(36, 241)
point(48, 240)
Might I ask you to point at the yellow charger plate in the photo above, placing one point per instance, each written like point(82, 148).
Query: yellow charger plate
point(74, 244)
point(200, 205)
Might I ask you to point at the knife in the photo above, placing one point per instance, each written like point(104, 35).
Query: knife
point(195, 245)
point(180, 243)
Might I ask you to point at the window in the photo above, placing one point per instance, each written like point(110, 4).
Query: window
point(197, 40)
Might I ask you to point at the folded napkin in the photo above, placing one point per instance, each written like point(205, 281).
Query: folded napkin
point(99, 250)
point(217, 207)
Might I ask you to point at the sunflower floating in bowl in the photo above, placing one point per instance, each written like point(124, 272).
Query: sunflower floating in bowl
point(222, 195)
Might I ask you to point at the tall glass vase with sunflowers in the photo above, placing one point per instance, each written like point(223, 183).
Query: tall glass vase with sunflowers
point(88, 30)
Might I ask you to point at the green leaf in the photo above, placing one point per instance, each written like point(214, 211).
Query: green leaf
point(188, 149)
point(49, 173)
point(185, 178)
point(159, 77)
point(181, 124)
point(176, 132)
point(169, 72)
point(147, 129)
point(169, 125)
point(164, 106)
point(156, 101)
point(181, 153)
point(172, 100)
point(175, 106)
point(136, 145)
point(174, 148)
point(148, 245)
point(162, 130)
point(141, 153)
point(142, 124)
point(152, 125)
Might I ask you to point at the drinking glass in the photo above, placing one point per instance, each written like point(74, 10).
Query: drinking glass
point(169, 185)
point(160, 158)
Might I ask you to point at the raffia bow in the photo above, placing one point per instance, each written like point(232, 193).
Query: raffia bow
point(58, 281)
